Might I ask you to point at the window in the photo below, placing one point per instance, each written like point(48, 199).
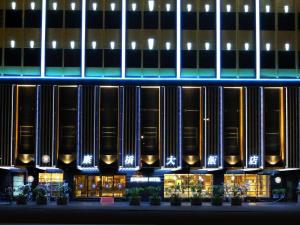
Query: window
point(52, 182)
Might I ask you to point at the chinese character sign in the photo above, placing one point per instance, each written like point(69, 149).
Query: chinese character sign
point(212, 160)
point(253, 160)
point(129, 160)
point(87, 160)
point(171, 161)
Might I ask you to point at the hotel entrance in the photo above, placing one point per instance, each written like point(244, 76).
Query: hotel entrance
point(92, 186)
point(258, 186)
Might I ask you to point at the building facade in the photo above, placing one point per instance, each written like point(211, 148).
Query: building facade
point(109, 94)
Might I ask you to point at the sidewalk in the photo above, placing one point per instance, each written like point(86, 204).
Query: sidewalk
point(121, 213)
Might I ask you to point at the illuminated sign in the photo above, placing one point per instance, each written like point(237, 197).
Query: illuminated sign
point(253, 160)
point(212, 160)
point(145, 179)
point(129, 160)
point(171, 161)
point(87, 160)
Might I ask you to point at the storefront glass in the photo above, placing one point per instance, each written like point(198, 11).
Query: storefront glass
point(257, 185)
point(184, 183)
point(97, 186)
point(52, 181)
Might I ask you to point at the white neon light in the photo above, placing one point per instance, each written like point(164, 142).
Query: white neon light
point(129, 160)
point(54, 44)
point(218, 38)
point(94, 6)
point(73, 5)
point(207, 46)
point(32, 5)
point(43, 37)
point(151, 4)
point(145, 179)
point(268, 8)
point(253, 160)
point(171, 161)
point(87, 160)
point(150, 43)
point(112, 45)
point(268, 46)
point(12, 43)
point(228, 46)
point(54, 5)
point(287, 46)
point(13, 5)
point(257, 38)
point(189, 46)
point(112, 6)
point(207, 7)
point(212, 160)
point(286, 9)
point(133, 45)
point(72, 44)
point(262, 144)
point(133, 6)
point(83, 37)
point(228, 8)
point(168, 7)
point(246, 46)
point(168, 45)
point(189, 7)
point(246, 8)
point(94, 44)
point(178, 39)
point(31, 44)
point(123, 41)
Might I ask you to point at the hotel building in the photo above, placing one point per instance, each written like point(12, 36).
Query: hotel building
point(110, 94)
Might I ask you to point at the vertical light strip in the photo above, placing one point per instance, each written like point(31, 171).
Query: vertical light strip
point(123, 30)
point(282, 127)
point(286, 130)
point(94, 127)
point(138, 125)
point(246, 127)
point(83, 36)
point(164, 119)
point(180, 127)
point(178, 38)
point(221, 127)
point(53, 124)
point(37, 118)
point(257, 38)
point(205, 127)
point(79, 158)
point(12, 125)
point(43, 38)
point(262, 126)
point(218, 38)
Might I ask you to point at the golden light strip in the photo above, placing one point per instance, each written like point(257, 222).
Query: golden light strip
point(282, 125)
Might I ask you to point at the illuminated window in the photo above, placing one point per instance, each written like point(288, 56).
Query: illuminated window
point(268, 46)
point(53, 44)
point(32, 5)
point(94, 44)
point(151, 5)
point(12, 43)
point(168, 45)
point(207, 46)
point(189, 7)
point(72, 44)
point(52, 181)
point(228, 46)
point(168, 7)
point(94, 6)
point(112, 6)
point(31, 44)
point(133, 6)
point(150, 43)
point(189, 46)
point(13, 5)
point(54, 5)
point(287, 46)
point(246, 8)
point(228, 8)
point(246, 46)
point(133, 45)
point(268, 8)
point(207, 7)
point(286, 8)
point(73, 5)
point(112, 45)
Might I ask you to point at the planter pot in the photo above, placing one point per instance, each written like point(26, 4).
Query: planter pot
point(135, 201)
point(62, 201)
point(175, 201)
point(41, 201)
point(236, 201)
point(217, 201)
point(21, 201)
point(196, 201)
point(155, 201)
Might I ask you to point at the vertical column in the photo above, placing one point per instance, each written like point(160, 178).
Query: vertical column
point(221, 133)
point(178, 39)
point(261, 121)
point(218, 38)
point(123, 41)
point(43, 37)
point(257, 38)
point(83, 36)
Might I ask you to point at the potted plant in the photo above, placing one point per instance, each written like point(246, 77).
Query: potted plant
point(40, 192)
point(22, 197)
point(154, 193)
point(134, 195)
point(175, 199)
point(279, 193)
point(217, 195)
point(196, 198)
point(63, 194)
point(237, 192)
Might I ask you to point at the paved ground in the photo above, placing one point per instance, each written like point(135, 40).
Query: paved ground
point(121, 213)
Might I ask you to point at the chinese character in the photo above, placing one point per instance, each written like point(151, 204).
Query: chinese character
point(87, 160)
point(129, 159)
point(212, 160)
point(171, 161)
point(253, 160)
